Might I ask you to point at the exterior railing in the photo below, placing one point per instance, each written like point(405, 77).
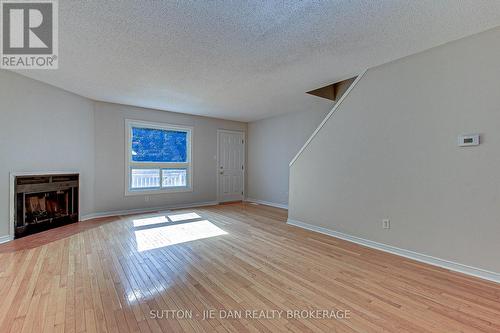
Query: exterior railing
point(150, 178)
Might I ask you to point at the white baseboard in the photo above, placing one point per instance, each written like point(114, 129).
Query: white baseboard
point(5, 239)
point(267, 203)
point(450, 265)
point(145, 210)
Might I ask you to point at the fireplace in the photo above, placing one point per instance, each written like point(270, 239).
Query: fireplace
point(43, 202)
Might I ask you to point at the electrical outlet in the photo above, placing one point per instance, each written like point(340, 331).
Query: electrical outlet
point(147, 198)
point(386, 224)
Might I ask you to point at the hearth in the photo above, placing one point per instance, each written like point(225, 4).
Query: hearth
point(44, 201)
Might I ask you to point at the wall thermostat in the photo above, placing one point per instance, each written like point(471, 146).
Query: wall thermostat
point(468, 140)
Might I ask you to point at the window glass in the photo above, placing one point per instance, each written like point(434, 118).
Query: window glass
point(145, 178)
point(158, 145)
point(174, 177)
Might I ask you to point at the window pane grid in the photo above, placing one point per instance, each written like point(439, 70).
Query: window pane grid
point(159, 158)
point(142, 179)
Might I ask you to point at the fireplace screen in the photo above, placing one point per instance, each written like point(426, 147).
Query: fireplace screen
point(44, 202)
point(49, 205)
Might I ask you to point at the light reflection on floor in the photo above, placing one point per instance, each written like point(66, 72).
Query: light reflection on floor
point(136, 295)
point(150, 221)
point(154, 231)
point(184, 217)
point(176, 233)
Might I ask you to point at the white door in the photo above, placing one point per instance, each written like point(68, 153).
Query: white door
point(231, 165)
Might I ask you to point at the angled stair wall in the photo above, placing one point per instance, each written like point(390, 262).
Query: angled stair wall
point(389, 150)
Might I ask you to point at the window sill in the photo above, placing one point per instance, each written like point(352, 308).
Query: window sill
point(157, 191)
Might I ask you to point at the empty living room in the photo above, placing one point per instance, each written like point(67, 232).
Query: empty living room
point(250, 166)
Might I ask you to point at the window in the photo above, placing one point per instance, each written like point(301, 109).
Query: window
point(158, 158)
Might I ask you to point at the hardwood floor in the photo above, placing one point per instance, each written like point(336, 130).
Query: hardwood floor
point(119, 274)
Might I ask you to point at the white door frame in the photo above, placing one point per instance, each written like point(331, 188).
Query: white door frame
point(244, 161)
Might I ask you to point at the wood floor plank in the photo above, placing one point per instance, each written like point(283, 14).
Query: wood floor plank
point(139, 274)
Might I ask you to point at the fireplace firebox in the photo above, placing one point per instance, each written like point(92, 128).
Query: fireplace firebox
point(44, 202)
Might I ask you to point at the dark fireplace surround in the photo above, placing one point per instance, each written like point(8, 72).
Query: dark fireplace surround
point(43, 202)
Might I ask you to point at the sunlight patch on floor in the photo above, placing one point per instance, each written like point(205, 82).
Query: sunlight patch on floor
point(150, 221)
point(154, 238)
point(184, 217)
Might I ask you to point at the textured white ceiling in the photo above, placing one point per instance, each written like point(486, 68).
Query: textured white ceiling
point(243, 60)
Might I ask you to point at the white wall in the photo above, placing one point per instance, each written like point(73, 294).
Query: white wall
point(390, 151)
point(43, 128)
point(272, 143)
point(110, 158)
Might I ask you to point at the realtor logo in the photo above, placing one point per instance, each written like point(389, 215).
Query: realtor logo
point(29, 31)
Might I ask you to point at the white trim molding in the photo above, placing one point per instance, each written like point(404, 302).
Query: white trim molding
point(450, 265)
point(267, 203)
point(6, 238)
point(146, 210)
point(328, 116)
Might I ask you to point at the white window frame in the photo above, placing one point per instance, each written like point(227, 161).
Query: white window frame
point(129, 164)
